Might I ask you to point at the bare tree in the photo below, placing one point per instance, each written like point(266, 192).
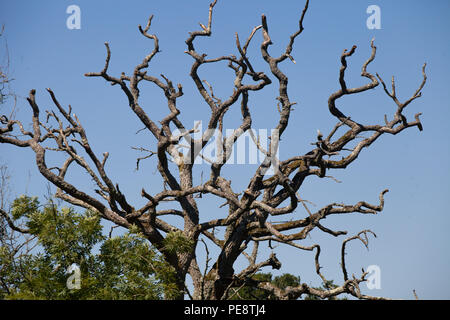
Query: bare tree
point(5, 77)
point(247, 223)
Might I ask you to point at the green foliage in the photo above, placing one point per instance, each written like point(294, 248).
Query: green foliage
point(131, 267)
point(250, 292)
point(24, 206)
point(120, 267)
point(286, 280)
point(177, 242)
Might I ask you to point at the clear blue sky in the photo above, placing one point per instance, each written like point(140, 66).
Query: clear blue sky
point(412, 244)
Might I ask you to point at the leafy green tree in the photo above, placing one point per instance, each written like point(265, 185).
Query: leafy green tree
point(251, 292)
point(286, 280)
point(114, 267)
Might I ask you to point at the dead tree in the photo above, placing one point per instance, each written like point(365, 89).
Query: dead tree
point(247, 223)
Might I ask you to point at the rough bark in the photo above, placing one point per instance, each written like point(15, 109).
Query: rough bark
point(248, 221)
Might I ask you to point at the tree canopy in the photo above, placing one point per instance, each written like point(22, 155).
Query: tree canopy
point(36, 264)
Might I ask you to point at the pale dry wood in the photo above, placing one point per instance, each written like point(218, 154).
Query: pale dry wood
point(250, 212)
